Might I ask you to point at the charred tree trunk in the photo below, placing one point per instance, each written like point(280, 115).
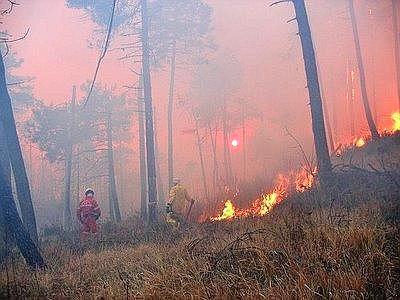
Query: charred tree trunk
point(396, 34)
point(363, 85)
point(148, 107)
point(15, 155)
point(170, 118)
point(13, 225)
point(115, 212)
point(142, 154)
point(317, 114)
point(68, 164)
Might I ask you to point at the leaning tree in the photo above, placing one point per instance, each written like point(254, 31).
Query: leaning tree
point(317, 115)
point(361, 70)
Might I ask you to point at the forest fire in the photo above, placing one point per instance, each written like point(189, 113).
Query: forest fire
point(267, 201)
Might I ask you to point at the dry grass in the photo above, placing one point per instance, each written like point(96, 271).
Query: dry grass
point(301, 250)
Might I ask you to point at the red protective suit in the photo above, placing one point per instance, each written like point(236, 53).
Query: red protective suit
point(88, 212)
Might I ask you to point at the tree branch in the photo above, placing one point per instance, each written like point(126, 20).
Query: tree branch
point(103, 54)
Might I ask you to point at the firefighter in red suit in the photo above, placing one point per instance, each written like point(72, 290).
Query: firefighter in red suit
point(88, 213)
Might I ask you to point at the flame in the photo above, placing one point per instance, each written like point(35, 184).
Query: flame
point(227, 213)
point(259, 207)
point(396, 120)
point(305, 179)
point(360, 142)
point(268, 202)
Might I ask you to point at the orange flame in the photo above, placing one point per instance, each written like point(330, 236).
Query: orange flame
point(259, 207)
point(305, 179)
point(360, 142)
point(396, 120)
point(227, 213)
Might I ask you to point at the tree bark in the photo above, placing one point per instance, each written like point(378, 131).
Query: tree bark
point(142, 154)
point(170, 117)
point(396, 34)
point(148, 106)
point(16, 158)
point(68, 164)
point(115, 212)
point(14, 226)
point(363, 85)
point(317, 114)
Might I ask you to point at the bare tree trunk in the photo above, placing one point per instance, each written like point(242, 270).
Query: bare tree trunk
point(160, 186)
point(215, 160)
point(115, 212)
point(203, 170)
point(4, 157)
point(396, 34)
point(227, 160)
point(15, 155)
point(244, 142)
point(326, 113)
point(363, 85)
point(350, 96)
point(170, 118)
point(317, 114)
point(142, 154)
point(68, 164)
point(151, 167)
point(13, 225)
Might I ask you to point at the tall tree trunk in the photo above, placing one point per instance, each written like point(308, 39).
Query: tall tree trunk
point(68, 164)
point(170, 117)
point(142, 153)
point(396, 34)
point(350, 96)
point(14, 226)
point(215, 160)
point(244, 142)
point(363, 85)
point(160, 186)
point(148, 107)
point(203, 170)
point(326, 113)
point(115, 212)
point(317, 114)
point(16, 158)
point(227, 160)
point(4, 157)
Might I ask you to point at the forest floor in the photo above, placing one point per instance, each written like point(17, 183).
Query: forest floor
point(345, 245)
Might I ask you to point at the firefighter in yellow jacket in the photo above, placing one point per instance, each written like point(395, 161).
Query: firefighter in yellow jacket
point(178, 205)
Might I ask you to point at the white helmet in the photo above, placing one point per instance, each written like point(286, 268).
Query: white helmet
point(89, 191)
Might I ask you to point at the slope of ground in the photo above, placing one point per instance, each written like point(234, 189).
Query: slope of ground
point(346, 245)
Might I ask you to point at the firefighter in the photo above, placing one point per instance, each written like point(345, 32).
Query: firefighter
point(176, 207)
point(88, 213)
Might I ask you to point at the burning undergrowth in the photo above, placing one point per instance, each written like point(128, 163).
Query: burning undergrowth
point(303, 179)
point(285, 185)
